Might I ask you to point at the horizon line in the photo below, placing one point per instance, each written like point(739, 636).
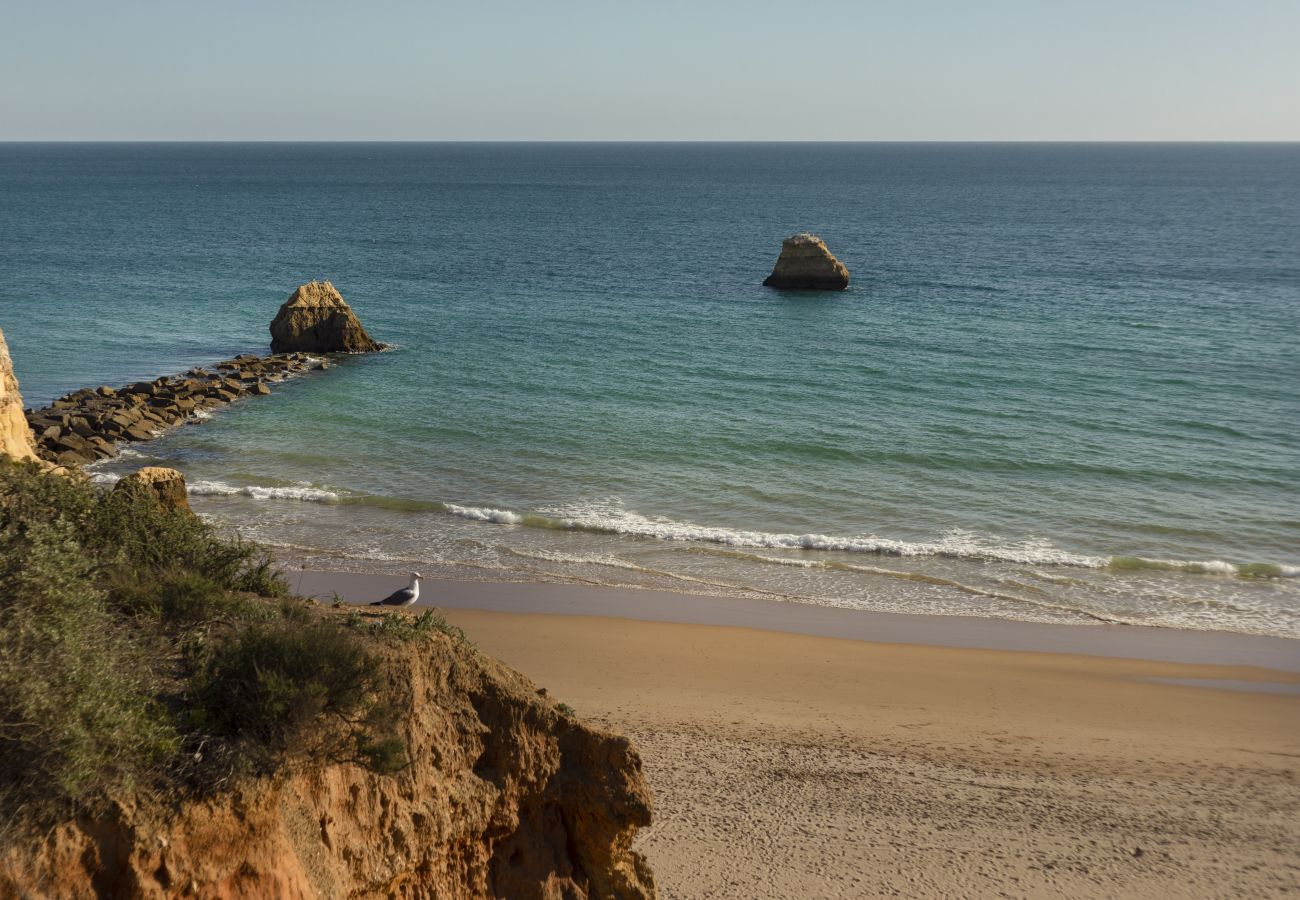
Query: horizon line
point(648, 141)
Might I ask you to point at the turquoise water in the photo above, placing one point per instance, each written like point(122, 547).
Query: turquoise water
point(1062, 387)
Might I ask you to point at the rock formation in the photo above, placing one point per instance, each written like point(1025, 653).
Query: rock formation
point(86, 425)
point(316, 319)
point(168, 485)
point(505, 796)
point(15, 436)
point(805, 263)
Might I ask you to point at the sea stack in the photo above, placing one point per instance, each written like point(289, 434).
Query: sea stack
point(316, 319)
point(806, 264)
point(15, 434)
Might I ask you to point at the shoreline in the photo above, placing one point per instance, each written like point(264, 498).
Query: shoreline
point(899, 757)
point(1152, 644)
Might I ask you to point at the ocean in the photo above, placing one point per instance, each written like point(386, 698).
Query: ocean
point(1063, 386)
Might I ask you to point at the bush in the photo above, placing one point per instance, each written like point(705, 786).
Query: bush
point(267, 684)
point(77, 696)
point(132, 637)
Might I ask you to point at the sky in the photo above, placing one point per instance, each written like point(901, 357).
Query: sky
point(650, 70)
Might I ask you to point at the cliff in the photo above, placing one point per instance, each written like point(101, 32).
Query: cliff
point(317, 319)
point(806, 263)
point(504, 796)
point(15, 435)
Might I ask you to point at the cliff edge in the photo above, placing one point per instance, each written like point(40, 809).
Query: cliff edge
point(504, 796)
point(15, 434)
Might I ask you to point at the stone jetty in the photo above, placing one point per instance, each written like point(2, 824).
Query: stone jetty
point(85, 425)
point(806, 263)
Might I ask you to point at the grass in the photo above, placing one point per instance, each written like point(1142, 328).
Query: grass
point(141, 647)
point(397, 627)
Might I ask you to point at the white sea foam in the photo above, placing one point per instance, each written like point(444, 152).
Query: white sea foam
point(614, 562)
point(609, 518)
point(297, 492)
point(956, 543)
point(486, 514)
point(554, 556)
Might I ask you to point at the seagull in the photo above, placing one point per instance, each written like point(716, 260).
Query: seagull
point(406, 596)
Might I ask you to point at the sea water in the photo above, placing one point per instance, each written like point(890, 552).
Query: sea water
point(1063, 385)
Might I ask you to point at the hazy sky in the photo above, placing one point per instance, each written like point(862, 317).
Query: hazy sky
point(652, 70)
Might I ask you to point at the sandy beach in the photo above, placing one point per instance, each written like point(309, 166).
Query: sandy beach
point(788, 764)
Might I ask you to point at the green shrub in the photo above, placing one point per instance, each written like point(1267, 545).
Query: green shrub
point(78, 712)
point(134, 640)
point(272, 686)
point(179, 597)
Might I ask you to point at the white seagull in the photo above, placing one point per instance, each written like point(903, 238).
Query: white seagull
point(406, 596)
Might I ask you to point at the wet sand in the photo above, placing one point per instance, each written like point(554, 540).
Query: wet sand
point(921, 763)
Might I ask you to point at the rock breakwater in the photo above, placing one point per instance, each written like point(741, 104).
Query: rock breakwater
point(86, 425)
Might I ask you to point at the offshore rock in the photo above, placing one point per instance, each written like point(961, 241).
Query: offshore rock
point(505, 796)
point(15, 434)
point(167, 485)
point(317, 319)
point(806, 263)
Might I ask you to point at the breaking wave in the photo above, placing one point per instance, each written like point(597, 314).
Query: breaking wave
point(609, 518)
point(295, 492)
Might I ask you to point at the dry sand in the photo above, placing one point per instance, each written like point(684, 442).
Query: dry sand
point(792, 765)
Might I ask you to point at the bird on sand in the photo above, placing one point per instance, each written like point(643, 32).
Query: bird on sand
point(406, 596)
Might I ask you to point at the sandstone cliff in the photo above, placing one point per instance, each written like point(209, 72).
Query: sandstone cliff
point(15, 435)
point(806, 263)
point(505, 796)
point(317, 319)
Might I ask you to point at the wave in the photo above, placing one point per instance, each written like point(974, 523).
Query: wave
point(956, 544)
point(1206, 567)
point(485, 514)
point(608, 518)
point(835, 565)
point(614, 562)
point(257, 492)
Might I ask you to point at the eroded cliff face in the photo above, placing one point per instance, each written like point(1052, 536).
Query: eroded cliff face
point(505, 796)
point(15, 434)
point(317, 319)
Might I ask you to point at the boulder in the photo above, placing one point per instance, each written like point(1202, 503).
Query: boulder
point(805, 263)
point(316, 318)
point(167, 484)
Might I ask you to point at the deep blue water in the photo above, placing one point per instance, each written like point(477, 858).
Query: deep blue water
point(1062, 386)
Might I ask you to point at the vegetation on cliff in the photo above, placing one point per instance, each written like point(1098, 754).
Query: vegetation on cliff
point(173, 722)
point(142, 649)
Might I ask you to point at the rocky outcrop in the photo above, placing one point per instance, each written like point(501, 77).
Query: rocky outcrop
point(167, 485)
point(505, 796)
point(15, 436)
point(316, 319)
point(806, 263)
point(87, 424)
